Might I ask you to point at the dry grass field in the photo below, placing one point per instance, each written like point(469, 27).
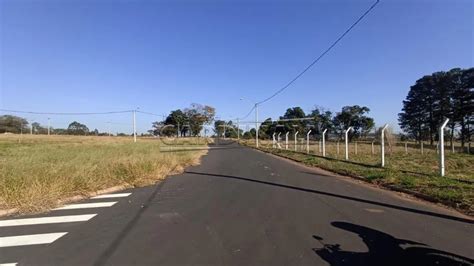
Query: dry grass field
point(38, 171)
point(406, 169)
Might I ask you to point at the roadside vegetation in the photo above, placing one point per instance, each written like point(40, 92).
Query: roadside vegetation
point(37, 171)
point(410, 171)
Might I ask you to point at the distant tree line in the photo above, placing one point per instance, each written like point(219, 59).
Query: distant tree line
point(438, 96)
point(18, 125)
point(185, 122)
point(317, 120)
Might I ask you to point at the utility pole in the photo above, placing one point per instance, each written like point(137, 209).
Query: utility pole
point(238, 131)
point(134, 127)
point(256, 124)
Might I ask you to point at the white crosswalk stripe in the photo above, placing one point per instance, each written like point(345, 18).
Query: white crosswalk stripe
point(48, 238)
point(47, 220)
point(116, 195)
point(86, 205)
point(24, 240)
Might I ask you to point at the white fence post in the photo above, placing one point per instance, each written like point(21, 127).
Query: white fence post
point(278, 140)
point(422, 152)
point(337, 146)
point(347, 142)
point(273, 140)
point(307, 141)
point(296, 142)
point(373, 151)
point(382, 144)
point(441, 147)
point(406, 147)
point(324, 142)
point(355, 147)
point(286, 140)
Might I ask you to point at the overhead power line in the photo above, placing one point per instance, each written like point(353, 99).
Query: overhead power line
point(318, 58)
point(247, 115)
point(321, 55)
point(148, 113)
point(55, 113)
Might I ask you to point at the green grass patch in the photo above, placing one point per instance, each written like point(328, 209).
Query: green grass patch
point(414, 172)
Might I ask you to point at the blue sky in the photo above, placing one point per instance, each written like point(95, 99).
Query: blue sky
point(93, 56)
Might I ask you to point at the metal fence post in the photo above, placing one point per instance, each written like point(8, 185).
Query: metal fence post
point(278, 140)
point(422, 148)
point(307, 141)
point(441, 147)
point(355, 143)
point(382, 145)
point(373, 151)
point(296, 142)
point(347, 142)
point(273, 140)
point(406, 147)
point(286, 140)
point(324, 142)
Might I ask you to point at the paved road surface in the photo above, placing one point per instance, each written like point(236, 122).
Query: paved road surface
point(243, 207)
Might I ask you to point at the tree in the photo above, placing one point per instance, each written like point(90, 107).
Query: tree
point(322, 119)
point(198, 115)
point(179, 120)
point(37, 128)
point(353, 116)
point(76, 128)
point(293, 114)
point(436, 97)
point(13, 124)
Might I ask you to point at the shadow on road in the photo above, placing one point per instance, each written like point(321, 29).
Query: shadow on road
point(319, 192)
point(180, 149)
point(384, 249)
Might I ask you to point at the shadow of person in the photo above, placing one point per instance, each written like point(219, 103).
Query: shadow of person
point(385, 249)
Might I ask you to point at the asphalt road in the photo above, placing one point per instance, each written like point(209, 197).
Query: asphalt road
point(243, 207)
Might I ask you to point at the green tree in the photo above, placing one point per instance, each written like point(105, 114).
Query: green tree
point(353, 116)
point(179, 120)
point(322, 118)
point(198, 115)
point(295, 122)
point(76, 128)
point(435, 97)
point(38, 128)
point(13, 124)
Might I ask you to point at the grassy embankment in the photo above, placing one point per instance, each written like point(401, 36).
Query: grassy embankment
point(38, 171)
point(409, 170)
